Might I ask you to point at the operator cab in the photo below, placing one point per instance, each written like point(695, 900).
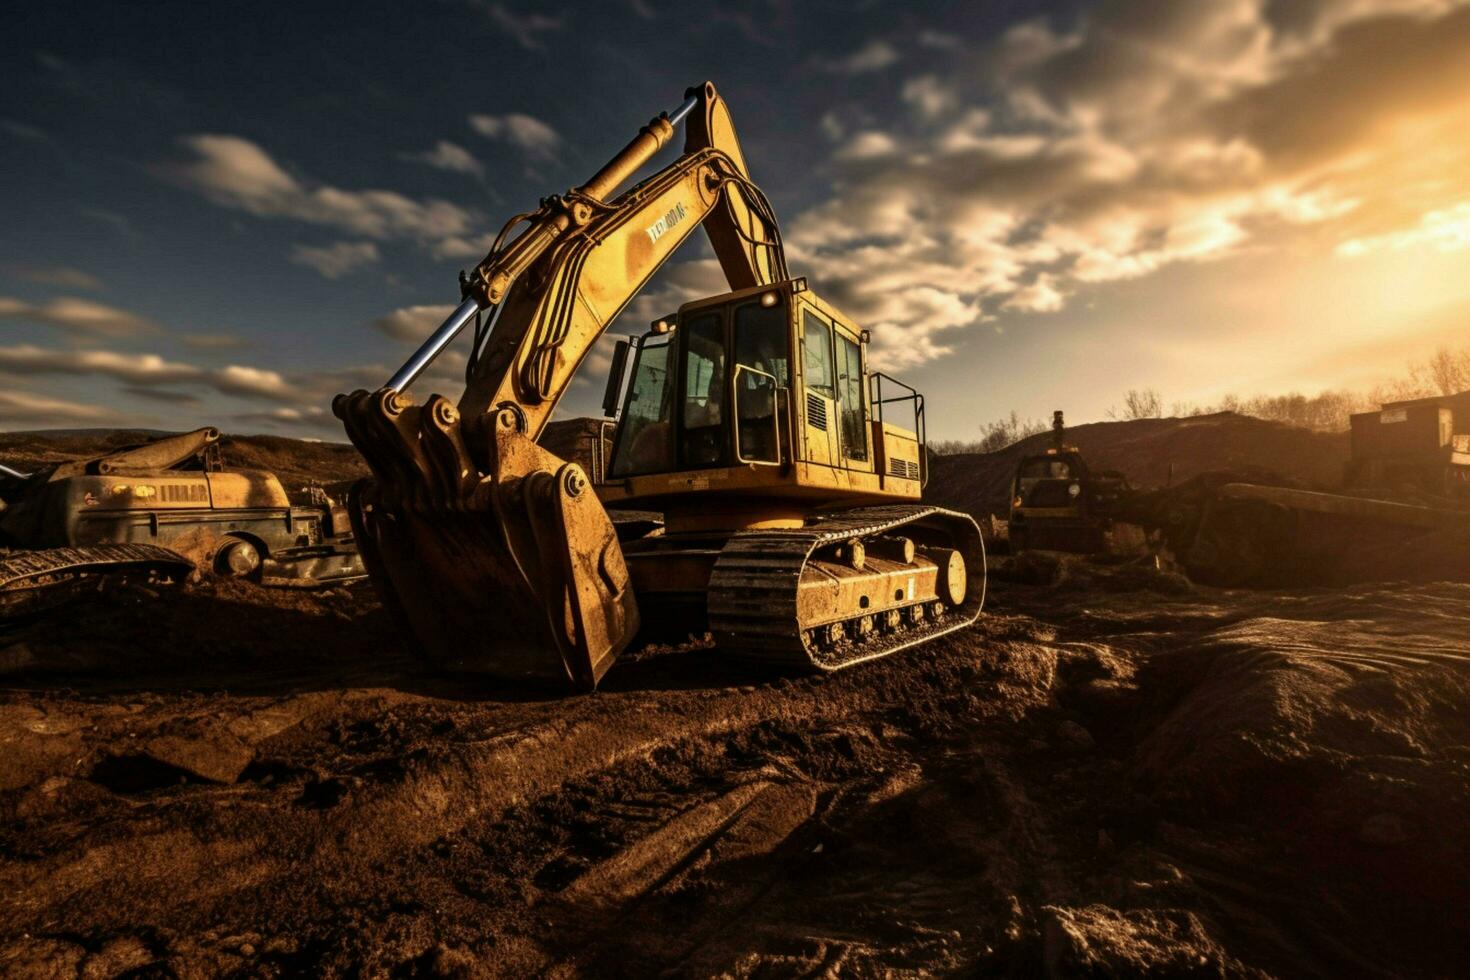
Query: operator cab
point(763, 391)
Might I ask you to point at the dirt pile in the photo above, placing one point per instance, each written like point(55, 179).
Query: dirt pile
point(1114, 773)
point(1152, 453)
point(298, 464)
point(1119, 780)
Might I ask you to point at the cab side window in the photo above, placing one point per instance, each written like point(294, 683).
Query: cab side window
point(702, 436)
point(816, 354)
point(643, 444)
point(850, 396)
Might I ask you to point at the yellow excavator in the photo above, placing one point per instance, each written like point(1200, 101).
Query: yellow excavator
point(789, 490)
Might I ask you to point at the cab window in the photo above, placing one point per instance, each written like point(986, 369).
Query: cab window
point(816, 354)
point(850, 399)
point(644, 444)
point(761, 340)
point(702, 432)
point(1046, 468)
point(762, 345)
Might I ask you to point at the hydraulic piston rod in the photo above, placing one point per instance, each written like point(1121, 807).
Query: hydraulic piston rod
point(633, 156)
point(434, 346)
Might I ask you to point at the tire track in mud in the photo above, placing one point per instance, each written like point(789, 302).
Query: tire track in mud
point(1088, 784)
point(186, 859)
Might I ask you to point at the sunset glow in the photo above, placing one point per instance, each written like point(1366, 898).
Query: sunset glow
point(1027, 212)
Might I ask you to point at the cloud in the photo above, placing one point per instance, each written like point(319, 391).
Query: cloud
point(287, 416)
point(23, 407)
point(149, 370)
point(79, 316)
point(524, 27)
point(134, 368)
point(458, 247)
point(1447, 230)
point(867, 145)
point(164, 395)
point(53, 275)
point(1040, 296)
point(336, 260)
point(237, 379)
point(531, 135)
point(928, 95)
point(449, 156)
point(413, 324)
point(873, 56)
point(233, 172)
point(1135, 138)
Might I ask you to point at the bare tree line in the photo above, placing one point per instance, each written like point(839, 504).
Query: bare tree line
point(1446, 372)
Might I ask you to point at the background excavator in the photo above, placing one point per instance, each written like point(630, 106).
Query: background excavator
point(791, 529)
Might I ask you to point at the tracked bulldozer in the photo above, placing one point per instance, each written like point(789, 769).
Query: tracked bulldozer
point(786, 470)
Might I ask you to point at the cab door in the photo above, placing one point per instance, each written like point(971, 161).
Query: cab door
point(818, 403)
point(853, 429)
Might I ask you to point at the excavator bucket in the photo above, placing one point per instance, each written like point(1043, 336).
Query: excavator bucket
point(499, 561)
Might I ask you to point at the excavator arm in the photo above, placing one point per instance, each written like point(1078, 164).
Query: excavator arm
point(594, 257)
point(491, 549)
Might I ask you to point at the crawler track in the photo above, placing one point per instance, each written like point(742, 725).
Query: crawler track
point(753, 591)
point(34, 580)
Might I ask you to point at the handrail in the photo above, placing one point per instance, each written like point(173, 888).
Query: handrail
point(599, 451)
point(916, 399)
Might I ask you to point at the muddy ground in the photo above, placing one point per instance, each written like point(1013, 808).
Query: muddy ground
point(1118, 776)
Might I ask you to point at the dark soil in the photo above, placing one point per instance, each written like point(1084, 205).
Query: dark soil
point(1140, 779)
point(1114, 773)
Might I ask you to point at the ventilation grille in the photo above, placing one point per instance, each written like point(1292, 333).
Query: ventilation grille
point(903, 468)
point(816, 412)
point(183, 493)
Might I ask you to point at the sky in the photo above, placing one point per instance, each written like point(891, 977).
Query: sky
point(227, 215)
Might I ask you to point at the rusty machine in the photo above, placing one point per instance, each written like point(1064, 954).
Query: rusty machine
point(131, 511)
point(1058, 503)
point(789, 491)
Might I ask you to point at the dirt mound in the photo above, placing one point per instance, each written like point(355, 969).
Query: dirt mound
point(297, 463)
point(1152, 453)
point(29, 451)
point(1112, 781)
point(1113, 774)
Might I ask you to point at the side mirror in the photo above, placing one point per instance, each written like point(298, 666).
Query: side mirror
point(615, 379)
